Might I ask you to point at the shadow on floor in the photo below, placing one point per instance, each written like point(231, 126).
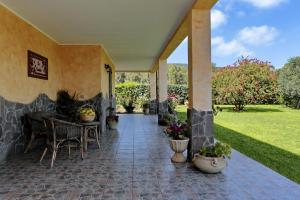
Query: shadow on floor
point(284, 162)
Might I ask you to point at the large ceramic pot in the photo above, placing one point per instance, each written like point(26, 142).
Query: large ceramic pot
point(209, 164)
point(112, 124)
point(178, 146)
point(129, 109)
point(146, 111)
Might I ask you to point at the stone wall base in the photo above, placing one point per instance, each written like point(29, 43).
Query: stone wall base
point(162, 109)
point(13, 133)
point(201, 130)
point(153, 107)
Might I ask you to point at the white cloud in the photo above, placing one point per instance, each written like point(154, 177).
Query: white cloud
point(218, 18)
point(265, 3)
point(258, 35)
point(230, 48)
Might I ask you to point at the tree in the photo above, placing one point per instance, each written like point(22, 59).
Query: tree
point(248, 81)
point(289, 82)
point(138, 77)
point(178, 74)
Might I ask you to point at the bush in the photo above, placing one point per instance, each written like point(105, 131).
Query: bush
point(289, 82)
point(248, 81)
point(181, 91)
point(172, 102)
point(131, 92)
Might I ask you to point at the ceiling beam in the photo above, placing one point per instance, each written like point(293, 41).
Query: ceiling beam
point(181, 32)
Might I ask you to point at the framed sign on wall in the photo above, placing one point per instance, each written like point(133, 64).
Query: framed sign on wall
point(37, 66)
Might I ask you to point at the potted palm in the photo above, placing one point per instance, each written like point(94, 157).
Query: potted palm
point(212, 159)
point(178, 133)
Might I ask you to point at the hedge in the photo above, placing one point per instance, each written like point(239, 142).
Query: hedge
point(133, 91)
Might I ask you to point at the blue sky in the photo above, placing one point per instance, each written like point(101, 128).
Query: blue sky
point(265, 29)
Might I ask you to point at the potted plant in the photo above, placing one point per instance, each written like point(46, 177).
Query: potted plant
point(87, 114)
point(167, 119)
point(128, 106)
point(178, 133)
point(212, 159)
point(112, 121)
point(67, 104)
point(146, 108)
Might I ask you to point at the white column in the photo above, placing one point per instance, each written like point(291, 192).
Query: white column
point(199, 57)
point(200, 114)
point(162, 81)
point(152, 77)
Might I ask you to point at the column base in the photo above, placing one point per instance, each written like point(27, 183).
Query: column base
point(162, 110)
point(201, 130)
point(153, 107)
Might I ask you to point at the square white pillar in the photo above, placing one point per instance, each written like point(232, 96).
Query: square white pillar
point(200, 114)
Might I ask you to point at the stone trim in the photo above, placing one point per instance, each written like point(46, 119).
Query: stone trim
point(162, 109)
point(12, 131)
point(153, 107)
point(201, 130)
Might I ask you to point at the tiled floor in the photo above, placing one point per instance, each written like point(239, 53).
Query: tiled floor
point(134, 163)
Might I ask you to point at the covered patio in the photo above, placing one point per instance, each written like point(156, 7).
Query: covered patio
point(83, 45)
point(134, 163)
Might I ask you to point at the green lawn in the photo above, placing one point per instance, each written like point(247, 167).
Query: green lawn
point(269, 134)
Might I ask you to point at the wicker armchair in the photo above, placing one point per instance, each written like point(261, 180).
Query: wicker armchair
point(34, 126)
point(61, 134)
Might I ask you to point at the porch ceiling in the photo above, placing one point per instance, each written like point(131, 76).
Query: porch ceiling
point(134, 32)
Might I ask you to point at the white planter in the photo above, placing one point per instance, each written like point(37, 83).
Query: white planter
point(146, 111)
point(178, 146)
point(209, 164)
point(112, 124)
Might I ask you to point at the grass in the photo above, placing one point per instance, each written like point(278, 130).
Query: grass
point(269, 134)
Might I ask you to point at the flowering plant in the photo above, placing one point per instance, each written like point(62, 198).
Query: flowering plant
point(178, 131)
point(172, 102)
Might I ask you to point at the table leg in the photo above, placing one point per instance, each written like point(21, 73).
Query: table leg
point(97, 136)
point(85, 139)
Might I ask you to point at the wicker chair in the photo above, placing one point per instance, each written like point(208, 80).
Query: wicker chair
point(61, 134)
point(33, 124)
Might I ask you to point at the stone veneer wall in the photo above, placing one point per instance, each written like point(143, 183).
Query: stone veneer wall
point(201, 131)
point(153, 107)
point(162, 109)
point(12, 130)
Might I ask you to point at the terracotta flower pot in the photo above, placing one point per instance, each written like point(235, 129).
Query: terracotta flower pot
point(178, 146)
point(209, 164)
point(112, 124)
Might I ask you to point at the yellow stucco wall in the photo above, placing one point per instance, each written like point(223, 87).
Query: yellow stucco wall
point(77, 68)
point(16, 37)
point(81, 69)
